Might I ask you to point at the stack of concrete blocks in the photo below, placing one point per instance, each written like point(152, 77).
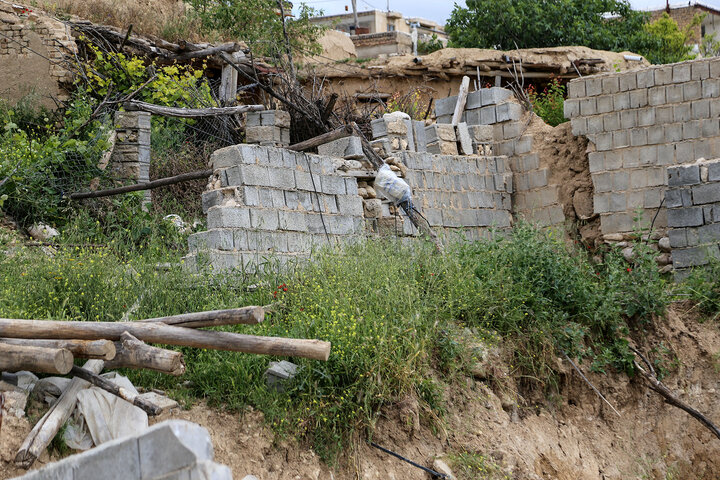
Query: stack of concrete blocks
point(131, 156)
point(463, 194)
point(441, 139)
point(171, 450)
point(269, 128)
point(272, 206)
point(693, 213)
point(394, 132)
point(640, 122)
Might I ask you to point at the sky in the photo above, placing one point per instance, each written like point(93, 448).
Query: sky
point(439, 10)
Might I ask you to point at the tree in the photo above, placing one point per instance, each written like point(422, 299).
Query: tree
point(669, 43)
point(509, 24)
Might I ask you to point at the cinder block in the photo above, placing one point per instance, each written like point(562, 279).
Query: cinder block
point(713, 171)
point(282, 178)
point(692, 91)
point(685, 152)
point(663, 75)
point(699, 70)
point(674, 93)
point(666, 154)
point(653, 197)
point(601, 202)
point(604, 103)
point(711, 213)
point(656, 96)
point(595, 124)
point(593, 86)
point(419, 136)
point(673, 132)
point(435, 133)
point(333, 185)
point(263, 219)
point(494, 95)
point(645, 78)
point(252, 175)
point(508, 111)
point(664, 114)
point(656, 135)
point(628, 119)
point(691, 129)
point(348, 148)
point(576, 88)
point(620, 139)
point(175, 446)
point(646, 116)
point(638, 98)
point(678, 238)
point(350, 205)
point(685, 217)
point(474, 100)
point(610, 84)
point(621, 101)
point(571, 108)
point(445, 106)
point(683, 175)
point(707, 193)
point(681, 73)
point(292, 220)
point(700, 109)
point(596, 161)
point(695, 256)
point(638, 137)
point(588, 106)
point(603, 141)
point(613, 160)
point(711, 88)
point(228, 217)
point(627, 81)
point(681, 113)
point(488, 115)
point(678, 197)
point(618, 202)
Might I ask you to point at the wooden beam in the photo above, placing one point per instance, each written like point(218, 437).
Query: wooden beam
point(162, 182)
point(462, 98)
point(108, 386)
point(315, 142)
point(245, 315)
point(166, 334)
point(132, 353)
point(14, 358)
point(101, 349)
point(134, 105)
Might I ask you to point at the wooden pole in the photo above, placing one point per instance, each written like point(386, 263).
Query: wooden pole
point(101, 349)
point(49, 425)
point(462, 99)
point(108, 386)
point(132, 353)
point(246, 315)
point(185, 177)
point(133, 105)
point(14, 358)
point(166, 334)
point(315, 142)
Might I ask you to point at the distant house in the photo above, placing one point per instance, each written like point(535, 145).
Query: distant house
point(684, 13)
point(380, 32)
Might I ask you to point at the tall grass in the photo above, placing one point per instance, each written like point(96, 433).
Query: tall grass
point(394, 314)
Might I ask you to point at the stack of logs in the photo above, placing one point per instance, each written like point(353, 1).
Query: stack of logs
point(46, 346)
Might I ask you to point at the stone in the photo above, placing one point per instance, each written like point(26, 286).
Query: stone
point(279, 375)
point(685, 217)
point(372, 208)
point(441, 467)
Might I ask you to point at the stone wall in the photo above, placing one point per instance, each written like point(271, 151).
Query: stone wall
point(32, 52)
point(639, 123)
point(270, 205)
point(693, 202)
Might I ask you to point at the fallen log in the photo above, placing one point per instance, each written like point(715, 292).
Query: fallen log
point(246, 315)
point(134, 105)
point(315, 142)
point(49, 425)
point(162, 182)
point(166, 334)
point(132, 353)
point(100, 349)
point(108, 386)
point(14, 358)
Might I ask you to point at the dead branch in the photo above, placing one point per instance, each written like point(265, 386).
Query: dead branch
point(185, 177)
point(190, 112)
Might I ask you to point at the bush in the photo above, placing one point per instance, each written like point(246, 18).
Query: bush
point(549, 103)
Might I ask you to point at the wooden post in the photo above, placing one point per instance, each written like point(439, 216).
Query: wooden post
point(132, 353)
point(100, 349)
point(49, 425)
point(245, 315)
point(14, 358)
point(166, 334)
point(462, 99)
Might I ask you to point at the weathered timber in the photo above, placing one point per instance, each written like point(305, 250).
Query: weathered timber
point(315, 142)
point(100, 349)
point(162, 182)
point(14, 358)
point(134, 105)
point(108, 386)
point(132, 353)
point(251, 315)
point(49, 425)
point(166, 334)
point(462, 99)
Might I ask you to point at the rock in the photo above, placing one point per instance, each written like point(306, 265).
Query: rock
point(42, 232)
point(250, 477)
point(165, 403)
point(441, 467)
point(663, 259)
point(362, 192)
point(372, 208)
point(614, 237)
point(15, 402)
point(396, 116)
point(279, 374)
point(667, 268)
point(352, 165)
point(371, 192)
point(628, 254)
point(664, 244)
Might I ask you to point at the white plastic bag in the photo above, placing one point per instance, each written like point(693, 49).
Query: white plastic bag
point(392, 187)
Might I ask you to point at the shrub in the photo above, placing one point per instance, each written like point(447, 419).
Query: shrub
point(433, 44)
point(549, 103)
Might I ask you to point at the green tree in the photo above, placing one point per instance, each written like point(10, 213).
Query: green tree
point(668, 43)
point(259, 24)
point(509, 24)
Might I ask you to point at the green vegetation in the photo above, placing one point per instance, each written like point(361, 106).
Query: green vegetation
point(433, 44)
point(473, 465)
point(549, 103)
point(599, 24)
point(394, 314)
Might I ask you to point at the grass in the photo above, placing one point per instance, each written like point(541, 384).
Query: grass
point(395, 315)
point(473, 465)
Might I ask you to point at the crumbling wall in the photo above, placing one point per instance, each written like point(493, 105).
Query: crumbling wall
point(639, 123)
point(693, 203)
point(33, 48)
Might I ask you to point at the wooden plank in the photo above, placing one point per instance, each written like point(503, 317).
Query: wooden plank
point(462, 99)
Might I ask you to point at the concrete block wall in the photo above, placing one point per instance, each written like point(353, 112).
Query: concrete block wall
point(268, 128)
point(468, 194)
point(130, 158)
point(171, 450)
point(269, 204)
point(692, 199)
point(497, 125)
point(640, 122)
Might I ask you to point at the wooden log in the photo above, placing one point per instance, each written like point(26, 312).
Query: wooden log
point(251, 315)
point(108, 386)
point(185, 177)
point(166, 334)
point(134, 105)
point(132, 353)
point(49, 425)
point(462, 98)
point(14, 358)
point(315, 142)
point(101, 349)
